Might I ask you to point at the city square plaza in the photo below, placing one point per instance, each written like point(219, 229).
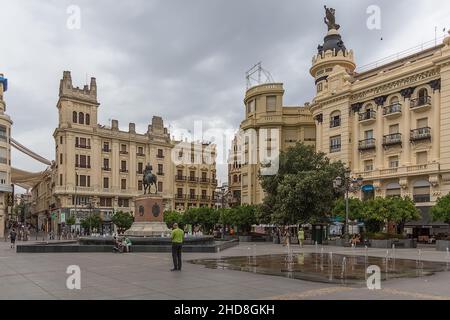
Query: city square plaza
point(148, 276)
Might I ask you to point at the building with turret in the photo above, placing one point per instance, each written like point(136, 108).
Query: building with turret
point(99, 168)
point(5, 157)
point(275, 128)
point(390, 124)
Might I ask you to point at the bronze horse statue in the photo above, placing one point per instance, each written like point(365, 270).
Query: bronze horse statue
point(149, 179)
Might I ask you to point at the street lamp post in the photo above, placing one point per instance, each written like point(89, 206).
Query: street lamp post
point(348, 184)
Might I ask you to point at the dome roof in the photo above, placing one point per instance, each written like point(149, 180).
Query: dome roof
point(332, 41)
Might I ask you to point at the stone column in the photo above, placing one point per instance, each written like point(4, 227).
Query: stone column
point(380, 101)
point(406, 132)
point(355, 164)
point(436, 122)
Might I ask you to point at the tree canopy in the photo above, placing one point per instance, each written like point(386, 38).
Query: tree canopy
point(441, 210)
point(302, 190)
point(122, 220)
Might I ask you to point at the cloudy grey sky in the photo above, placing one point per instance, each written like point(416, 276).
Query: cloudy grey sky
point(184, 60)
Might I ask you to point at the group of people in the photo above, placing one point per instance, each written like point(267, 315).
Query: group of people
point(122, 244)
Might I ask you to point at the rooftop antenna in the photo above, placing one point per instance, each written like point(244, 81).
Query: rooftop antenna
point(254, 74)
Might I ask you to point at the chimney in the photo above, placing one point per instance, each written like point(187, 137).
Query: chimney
point(115, 125)
point(93, 87)
point(132, 127)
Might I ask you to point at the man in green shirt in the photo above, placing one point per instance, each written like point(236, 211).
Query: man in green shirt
point(301, 237)
point(177, 244)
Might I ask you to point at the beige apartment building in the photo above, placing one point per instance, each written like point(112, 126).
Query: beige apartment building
point(283, 126)
point(5, 157)
point(389, 124)
point(99, 168)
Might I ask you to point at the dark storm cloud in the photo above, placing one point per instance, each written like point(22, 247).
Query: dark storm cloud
point(184, 60)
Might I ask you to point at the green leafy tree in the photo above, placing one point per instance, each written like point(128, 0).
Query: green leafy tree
point(379, 211)
point(441, 210)
point(93, 221)
point(205, 217)
point(70, 221)
point(302, 190)
point(171, 217)
point(122, 220)
point(355, 209)
point(243, 217)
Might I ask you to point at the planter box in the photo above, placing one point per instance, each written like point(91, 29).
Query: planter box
point(245, 239)
point(405, 243)
point(442, 245)
point(385, 244)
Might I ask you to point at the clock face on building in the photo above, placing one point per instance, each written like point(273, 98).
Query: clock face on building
point(141, 210)
point(156, 210)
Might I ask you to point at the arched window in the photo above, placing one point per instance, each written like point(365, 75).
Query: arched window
point(81, 118)
point(423, 93)
point(421, 191)
point(74, 117)
point(88, 119)
point(235, 178)
point(394, 100)
point(335, 119)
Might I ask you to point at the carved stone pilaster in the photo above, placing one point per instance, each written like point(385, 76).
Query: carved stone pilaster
point(319, 118)
point(356, 107)
point(407, 93)
point(435, 84)
point(379, 101)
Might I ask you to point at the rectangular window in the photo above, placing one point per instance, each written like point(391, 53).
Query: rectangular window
point(3, 135)
point(106, 146)
point(123, 148)
point(105, 202)
point(192, 193)
point(123, 184)
point(160, 153)
point(271, 103)
point(368, 134)
point(123, 166)
point(393, 129)
point(60, 140)
point(251, 106)
point(140, 150)
point(160, 186)
point(106, 183)
point(60, 179)
point(60, 158)
point(368, 165)
point(3, 177)
point(393, 162)
point(139, 185)
point(335, 144)
point(83, 181)
point(179, 192)
point(421, 158)
point(140, 167)
point(160, 169)
point(106, 163)
point(422, 123)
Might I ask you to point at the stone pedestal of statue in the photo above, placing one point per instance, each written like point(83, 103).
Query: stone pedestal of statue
point(148, 217)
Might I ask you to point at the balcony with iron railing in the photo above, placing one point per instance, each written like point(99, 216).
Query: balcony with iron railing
point(392, 139)
point(335, 148)
point(420, 134)
point(392, 111)
point(367, 144)
point(421, 103)
point(334, 123)
point(123, 170)
point(82, 146)
point(106, 169)
point(123, 152)
point(82, 165)
point(421, 198)
point(139, 154)
point(160, 173)
point(180, 178)
point(203, 180)
point(106, 149)
point(204, 198)
point(368, 116)
point(192, 179)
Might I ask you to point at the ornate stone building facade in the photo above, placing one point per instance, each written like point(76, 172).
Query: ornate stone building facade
point(390, 124)
point(99, 168)
point(234, 174)
point(275, 127)
point(5, 156)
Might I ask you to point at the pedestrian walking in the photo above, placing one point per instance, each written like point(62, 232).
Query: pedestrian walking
point(12, 237)
point(177, 245)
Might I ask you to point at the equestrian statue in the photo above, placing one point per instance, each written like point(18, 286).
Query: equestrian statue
point(149, 179)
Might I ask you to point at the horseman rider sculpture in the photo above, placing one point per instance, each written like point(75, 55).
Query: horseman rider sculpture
point(149, 179)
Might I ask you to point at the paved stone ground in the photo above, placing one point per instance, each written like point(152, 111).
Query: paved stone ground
point(147, 276)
